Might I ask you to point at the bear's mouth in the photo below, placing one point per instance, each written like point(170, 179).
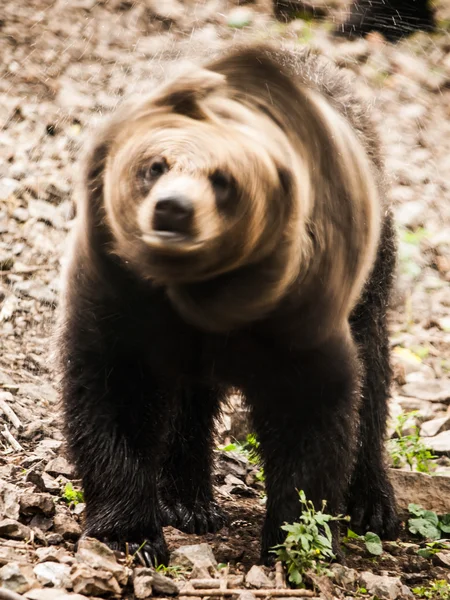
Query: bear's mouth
point(170, 239)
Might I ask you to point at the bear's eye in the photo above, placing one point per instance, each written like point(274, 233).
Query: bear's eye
point(222, 184)
point(148, 173)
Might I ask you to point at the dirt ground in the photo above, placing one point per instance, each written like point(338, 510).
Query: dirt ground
point(67, 63)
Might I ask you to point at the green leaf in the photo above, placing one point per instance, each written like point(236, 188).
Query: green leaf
point(431, 516)
point(415, 509)
point(444, 523)
point(373, 543)
point(352, 535)
point(424, 527)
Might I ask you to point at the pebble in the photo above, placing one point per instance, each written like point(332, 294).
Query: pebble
point(53, 573)
point(66, 526)
point(197, 555)
point(93, 582)
point(32, 503)
point(100, 556)
point(384, 587)
point(10, 528)
point(440, 444)
point(16, 577)
point(257, 578)
point(433, 391)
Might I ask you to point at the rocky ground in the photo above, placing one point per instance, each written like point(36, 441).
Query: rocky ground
point(64, 65)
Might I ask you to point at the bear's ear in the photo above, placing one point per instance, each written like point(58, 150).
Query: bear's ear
point(184, 94)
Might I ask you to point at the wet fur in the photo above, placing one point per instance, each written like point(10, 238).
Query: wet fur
point(395, 19)
point(299, 327)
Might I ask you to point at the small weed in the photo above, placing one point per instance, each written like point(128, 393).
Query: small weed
point(71, 495)
point(409, 449)
point(174, 571)
point(371, 540)
point(432, 548)
point(427, 524)
point(438, 590)
point(308, 543)
point(249, 449)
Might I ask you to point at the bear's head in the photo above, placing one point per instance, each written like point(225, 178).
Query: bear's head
point(207, 187)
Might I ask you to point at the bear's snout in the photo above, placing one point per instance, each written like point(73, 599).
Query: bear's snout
point(173, 214)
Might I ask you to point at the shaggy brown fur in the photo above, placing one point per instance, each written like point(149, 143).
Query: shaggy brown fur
point(278, 259)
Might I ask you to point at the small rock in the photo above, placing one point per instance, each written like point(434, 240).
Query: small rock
point(100, 556)
point(52, 594)
point(9, 500)
point(21, 214)
point(52, 554)
point(231, 463)
point(344, 576)
point(246, 595)
point(66, 526)
point(435, 426)
point(443, 558)
point(93, 582)
point(164, 585)
point(433, 391)
point(197, 555)
point(389, 588)
point(50, 484)
point(6, 261)
point(46, 212)
point(32, 503)
point(7, 187)
point(239, 17)
point(236, 487)
point(439, 443)
point(16, 577)
point(432, 492)
point(142, 583)
point(10, 528)
point(257, 578)
point(411, 214)
point(52, 573)
point(60, 466)
point(53, 539)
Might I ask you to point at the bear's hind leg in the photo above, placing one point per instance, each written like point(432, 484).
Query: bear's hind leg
point(185, 487)
point(304, 406)
point(371, 502)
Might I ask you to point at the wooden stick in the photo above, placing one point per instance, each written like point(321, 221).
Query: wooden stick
point(280, 581)
point(11, 439)
point(265, 593)
point(7, 410)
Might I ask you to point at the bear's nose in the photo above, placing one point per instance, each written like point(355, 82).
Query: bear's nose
point(173, 214)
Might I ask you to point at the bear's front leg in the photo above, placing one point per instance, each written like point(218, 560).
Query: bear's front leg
point(115, 420)
point(186, 490)
point(306, 419)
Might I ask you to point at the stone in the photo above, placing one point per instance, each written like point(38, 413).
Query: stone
point(231, 463)
point(384, 587)
point(60, 466)
point(142, 583)
point(197, 555)
point(239, 17)
point(52, 594)
point(52, 554)
point(435, 426)
point(432, 492)
point(10, 528)
point(344, 576)
point(236, 487)
point(440, 444)
point(52, 573)
point(9, 500)
point(100, 556)
point(33, 503)
point(437, 390)
point(93, 582)
point(257, 578)
point(164, 585)
point(67, 527)
point(411, 214)
point(443, 558)
point(16, 577)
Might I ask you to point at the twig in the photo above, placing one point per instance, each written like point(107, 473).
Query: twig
point(11, 439)
point(265, 593)
point(9, 595)
point(7, 410)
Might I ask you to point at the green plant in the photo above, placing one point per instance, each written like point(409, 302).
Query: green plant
point(249, 449)
point(432, 548)
point(409, 449)
point(427, 524)
point(308, 543)
point(438, 590)
point(71, 495)
point(371, 541)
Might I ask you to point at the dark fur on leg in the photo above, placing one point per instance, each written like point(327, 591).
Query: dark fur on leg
point(305, 420)
point(186, 495)
point(395, 19)
point(371, 501)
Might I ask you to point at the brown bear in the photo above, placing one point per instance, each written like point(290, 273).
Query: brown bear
point(232, 232)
